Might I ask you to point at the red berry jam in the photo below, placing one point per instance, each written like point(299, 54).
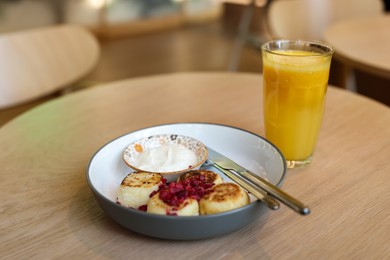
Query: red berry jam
point(143, 208)
point(175, 193)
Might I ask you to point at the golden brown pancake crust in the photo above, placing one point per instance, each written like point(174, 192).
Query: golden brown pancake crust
point(223, 197)
point(224, 192)
point(210, 177)
point(141, 179)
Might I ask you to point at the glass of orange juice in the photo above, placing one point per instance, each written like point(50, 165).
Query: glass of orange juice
point(295, 79)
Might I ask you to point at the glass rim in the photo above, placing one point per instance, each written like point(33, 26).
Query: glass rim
point(327, 49)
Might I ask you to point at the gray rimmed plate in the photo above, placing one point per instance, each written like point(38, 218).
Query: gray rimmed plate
point(107, 169)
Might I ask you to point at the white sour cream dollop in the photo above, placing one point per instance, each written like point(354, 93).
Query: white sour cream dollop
point(166, 158)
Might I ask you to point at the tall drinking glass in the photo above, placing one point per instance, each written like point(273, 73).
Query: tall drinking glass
point(295, 75)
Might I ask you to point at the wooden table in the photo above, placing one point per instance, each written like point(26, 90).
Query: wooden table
point(362, 43)
point(362, 46)
point(48, 211)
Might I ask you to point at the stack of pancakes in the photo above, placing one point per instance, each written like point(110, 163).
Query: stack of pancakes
point(142, 190)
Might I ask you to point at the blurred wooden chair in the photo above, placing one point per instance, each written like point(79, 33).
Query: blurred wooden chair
point(307, 19)
point(36, 64)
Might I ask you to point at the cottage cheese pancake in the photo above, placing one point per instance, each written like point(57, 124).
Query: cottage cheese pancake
point(223, 197)
point(188, 207)
point(136, 188)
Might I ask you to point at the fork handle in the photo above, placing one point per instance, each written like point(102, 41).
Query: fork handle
point(275, 192)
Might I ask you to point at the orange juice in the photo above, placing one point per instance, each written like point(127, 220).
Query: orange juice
point(295, 84)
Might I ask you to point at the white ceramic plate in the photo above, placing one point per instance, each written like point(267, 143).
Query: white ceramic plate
point(107, 169)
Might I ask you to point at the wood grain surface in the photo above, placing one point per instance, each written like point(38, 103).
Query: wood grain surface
point(48, 211)
point(362, 43)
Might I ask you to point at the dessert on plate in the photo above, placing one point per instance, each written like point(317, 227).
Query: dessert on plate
point(136, 188)
point(223, 197)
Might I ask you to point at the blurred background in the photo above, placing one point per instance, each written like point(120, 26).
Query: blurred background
point(147, 37)
point(144, 37)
